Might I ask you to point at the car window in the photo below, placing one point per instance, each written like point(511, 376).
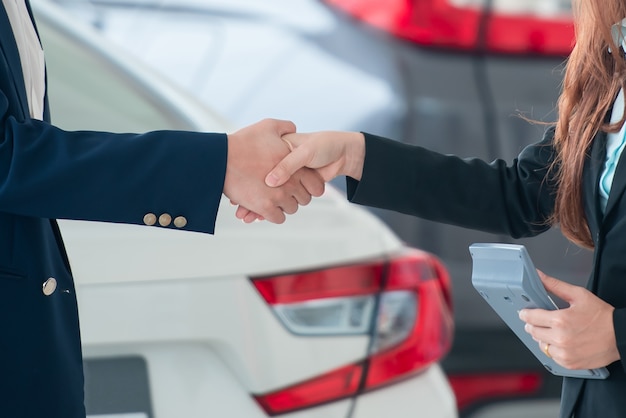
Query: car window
point(87, 92)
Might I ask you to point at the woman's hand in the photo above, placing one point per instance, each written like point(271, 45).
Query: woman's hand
point(331, 153)
point(578, 337)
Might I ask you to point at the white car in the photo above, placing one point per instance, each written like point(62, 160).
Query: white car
point(328, 315)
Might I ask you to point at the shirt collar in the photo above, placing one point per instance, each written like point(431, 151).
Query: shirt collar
point(618, 31)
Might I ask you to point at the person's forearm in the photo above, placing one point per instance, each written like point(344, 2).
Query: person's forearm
point(514, 200)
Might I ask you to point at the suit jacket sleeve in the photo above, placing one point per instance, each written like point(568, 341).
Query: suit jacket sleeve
point(515, 199)
point(46, 172)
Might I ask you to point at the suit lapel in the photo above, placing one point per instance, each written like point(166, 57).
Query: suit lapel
point(12, 56)
point(32, 19)
point(591, 189)
point(591, 177)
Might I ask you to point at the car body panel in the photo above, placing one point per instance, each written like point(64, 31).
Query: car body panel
point(226, 315)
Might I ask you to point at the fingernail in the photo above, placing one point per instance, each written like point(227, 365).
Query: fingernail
point(271, 180)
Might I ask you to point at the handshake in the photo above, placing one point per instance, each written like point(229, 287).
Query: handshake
point(271, 170)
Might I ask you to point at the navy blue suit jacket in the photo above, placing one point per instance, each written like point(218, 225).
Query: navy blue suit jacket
point(46, 174)
point(516, 200)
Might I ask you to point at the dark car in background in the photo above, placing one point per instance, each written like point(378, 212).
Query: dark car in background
point(456, 76)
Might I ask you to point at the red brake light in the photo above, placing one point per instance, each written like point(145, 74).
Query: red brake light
point(334, 385)
point(542, 28)
point(431, 336)
point(472, 389)
point(403, 304)
point(337, 282)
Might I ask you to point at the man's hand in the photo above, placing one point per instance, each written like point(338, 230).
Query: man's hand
point(578, 337)
point(252, 152)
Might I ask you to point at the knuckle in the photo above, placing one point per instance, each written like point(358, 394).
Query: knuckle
point(558, 321)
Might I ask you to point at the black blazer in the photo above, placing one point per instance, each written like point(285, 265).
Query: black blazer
point(514, 199)
point(47, 173)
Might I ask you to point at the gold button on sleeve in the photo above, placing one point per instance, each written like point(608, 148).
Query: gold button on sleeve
point(149, 219)
point(165, 219)
point(180, 222)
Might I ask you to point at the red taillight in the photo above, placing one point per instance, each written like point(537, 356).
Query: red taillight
point(404, 304)
point(473, 389)
point(337, 282)
point(337, 384)
point(541, 28)
point(431, 336)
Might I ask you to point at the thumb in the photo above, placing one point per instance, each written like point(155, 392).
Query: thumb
point(292, 162)
point(284, 127)
point(557, 287)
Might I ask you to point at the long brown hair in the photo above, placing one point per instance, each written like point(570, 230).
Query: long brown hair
point(593, 77)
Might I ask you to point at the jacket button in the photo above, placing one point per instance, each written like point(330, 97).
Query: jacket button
point(165, 219)
point(180, 222)
point(149, 219)
point(49, 286)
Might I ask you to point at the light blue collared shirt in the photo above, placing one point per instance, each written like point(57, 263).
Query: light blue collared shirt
point(614, 145)
point(615, 141)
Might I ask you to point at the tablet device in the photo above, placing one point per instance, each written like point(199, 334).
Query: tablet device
point(506, 278)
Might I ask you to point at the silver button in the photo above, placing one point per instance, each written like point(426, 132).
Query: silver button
point(180, 222)
point(49, 286)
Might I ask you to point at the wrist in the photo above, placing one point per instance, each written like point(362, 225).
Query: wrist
point(355, 155)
